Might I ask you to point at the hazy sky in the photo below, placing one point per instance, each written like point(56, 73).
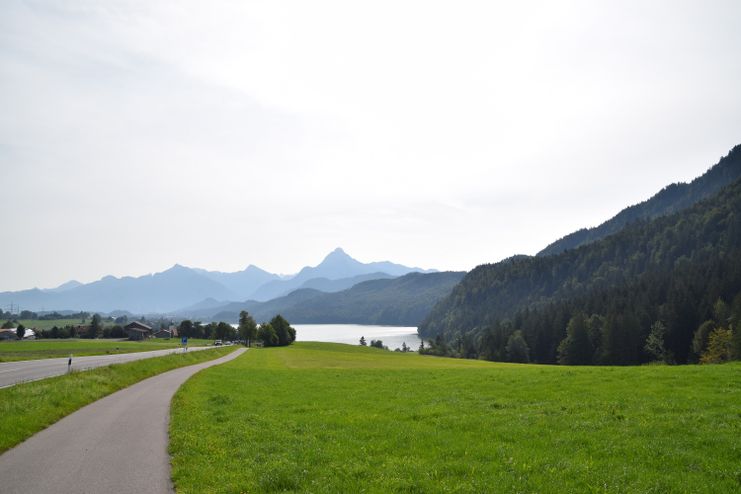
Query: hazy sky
point(138, 134)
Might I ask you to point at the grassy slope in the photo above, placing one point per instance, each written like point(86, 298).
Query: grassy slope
point(332, 418)
point(27, 408)
point(11, 351)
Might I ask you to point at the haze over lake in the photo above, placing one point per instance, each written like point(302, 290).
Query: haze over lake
point(392, 336)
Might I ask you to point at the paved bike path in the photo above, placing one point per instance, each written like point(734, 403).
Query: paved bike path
point(116, 444)
point(32, 370)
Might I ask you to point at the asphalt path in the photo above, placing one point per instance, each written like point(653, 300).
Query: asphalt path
point(31, 370)
point(117, 444)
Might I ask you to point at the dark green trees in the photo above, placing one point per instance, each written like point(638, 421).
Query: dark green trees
point(378, 344)
point(517, 349)
point(186, 329)
point(20, 331)
point(278, 332)
point(267, 335)
point(96, 327)
point(224, 331)
point(700, 339)
point(576, 348)
point(286, 334)
point(247, 328)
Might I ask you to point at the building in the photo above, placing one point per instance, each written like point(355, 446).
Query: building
point(137, 331)
point(163, 333)
point(81, 330)
point(8, 334)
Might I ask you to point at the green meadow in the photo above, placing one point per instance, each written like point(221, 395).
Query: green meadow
point(28, 408)
point(319, 417)
point(50, 323)
point(37, 349)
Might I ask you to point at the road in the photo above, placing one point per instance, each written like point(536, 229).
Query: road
point(117, 444)
point(31, 370)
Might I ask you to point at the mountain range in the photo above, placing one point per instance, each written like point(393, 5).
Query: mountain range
point(398, 301)
point(184, 288)
point(336, 266)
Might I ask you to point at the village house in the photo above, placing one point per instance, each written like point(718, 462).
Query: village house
point(137, 331)
point(163, 333)
point(171, 332)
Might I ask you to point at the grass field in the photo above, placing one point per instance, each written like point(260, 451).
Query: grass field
point(317, 417)
point(27, 408)
point(48, 324)
point(37, 349)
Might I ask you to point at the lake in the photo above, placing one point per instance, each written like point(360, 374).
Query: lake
point(392, 336)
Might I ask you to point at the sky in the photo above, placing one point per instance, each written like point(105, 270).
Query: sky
point(139, 134)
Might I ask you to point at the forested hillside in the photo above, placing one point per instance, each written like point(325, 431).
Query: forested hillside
point(664, 277)
point(671, 199)
point(402, 301)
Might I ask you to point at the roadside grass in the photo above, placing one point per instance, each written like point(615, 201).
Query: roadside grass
point(317, 417)
point(28, 408)
point(12, 351)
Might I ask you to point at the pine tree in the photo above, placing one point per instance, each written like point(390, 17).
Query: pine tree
point(655, 341)
point(517, 349)
point(576, 348)
point(95, 327)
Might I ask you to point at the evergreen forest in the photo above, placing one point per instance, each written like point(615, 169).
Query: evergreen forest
point(666, 288)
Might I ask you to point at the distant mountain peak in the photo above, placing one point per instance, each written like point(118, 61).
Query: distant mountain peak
point(251, 268)
point(177, 268)
point(338, 253)
point(68, 285)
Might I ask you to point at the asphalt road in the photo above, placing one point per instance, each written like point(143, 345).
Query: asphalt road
point(116, 445)
point(32, 370)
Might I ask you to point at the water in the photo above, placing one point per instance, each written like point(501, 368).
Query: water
point(392, 336)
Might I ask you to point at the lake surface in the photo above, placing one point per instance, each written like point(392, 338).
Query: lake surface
point(392, 336)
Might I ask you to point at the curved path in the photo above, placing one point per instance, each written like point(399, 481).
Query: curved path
point(32, 370)
point(116, 444)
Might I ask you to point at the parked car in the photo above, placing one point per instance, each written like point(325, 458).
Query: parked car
point(218, 343)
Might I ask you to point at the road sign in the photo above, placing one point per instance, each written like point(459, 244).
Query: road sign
point(184, 340)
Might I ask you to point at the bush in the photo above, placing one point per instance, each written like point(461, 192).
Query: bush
point(378, 344)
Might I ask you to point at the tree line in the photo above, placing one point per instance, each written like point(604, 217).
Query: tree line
point(276, 332)
point(672, 198)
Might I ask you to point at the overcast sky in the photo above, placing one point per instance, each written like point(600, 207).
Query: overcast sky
point(139, 134)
